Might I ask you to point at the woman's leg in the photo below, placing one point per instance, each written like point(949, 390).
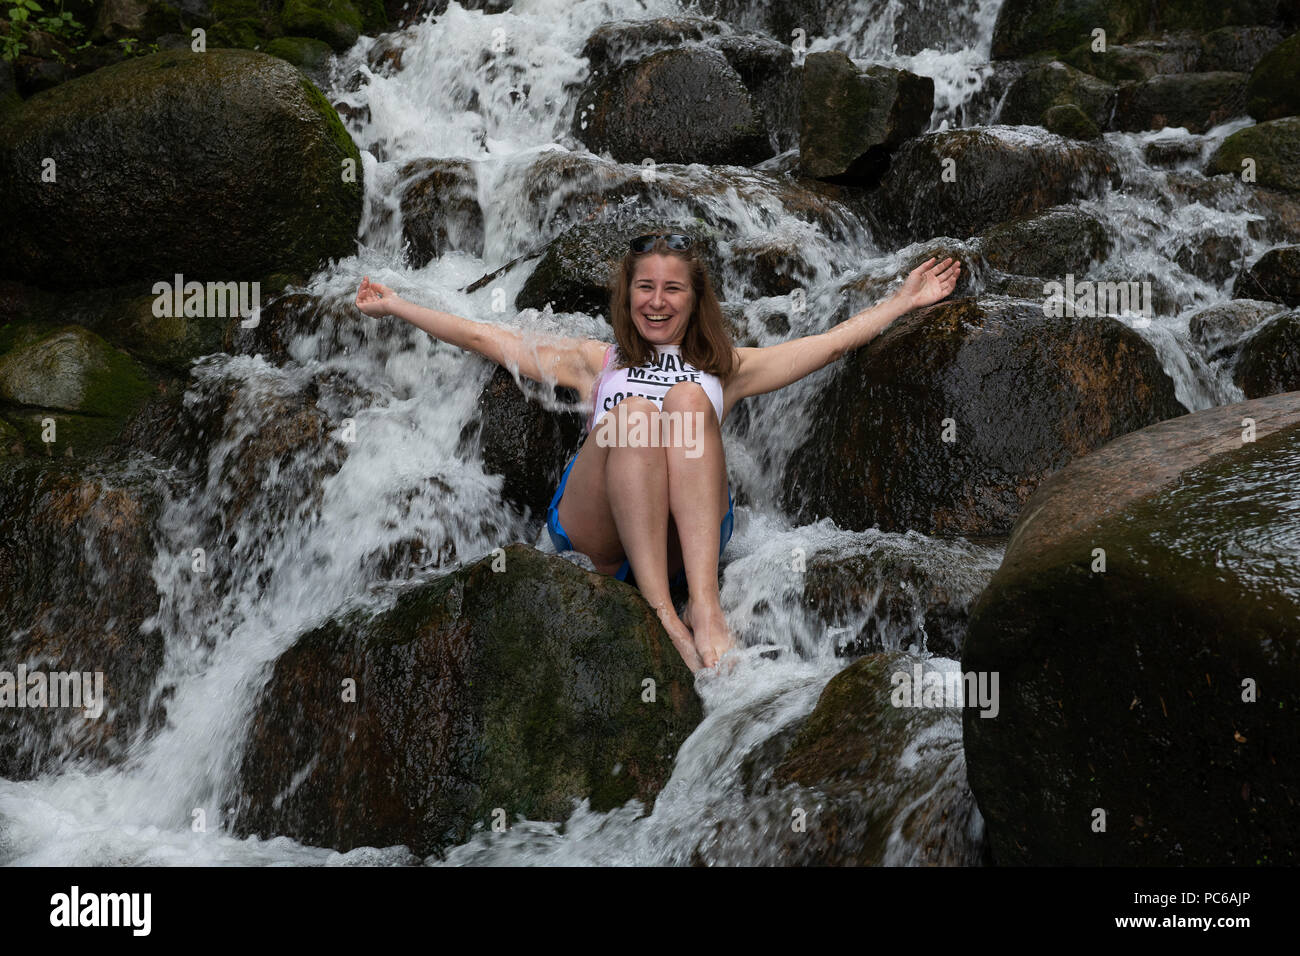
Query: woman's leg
point(619, 494)
point(697, 495)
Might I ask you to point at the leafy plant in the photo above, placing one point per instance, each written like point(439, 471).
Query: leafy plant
point(27, 16)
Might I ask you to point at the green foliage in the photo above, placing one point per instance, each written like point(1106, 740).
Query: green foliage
point(27, 16)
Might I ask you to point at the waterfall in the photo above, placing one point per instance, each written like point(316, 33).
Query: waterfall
point(313, 535)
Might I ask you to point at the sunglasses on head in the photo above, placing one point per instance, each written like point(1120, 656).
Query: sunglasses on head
point(674, 240)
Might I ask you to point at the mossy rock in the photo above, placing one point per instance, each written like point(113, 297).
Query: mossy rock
point(336, 22)
point(72, 370)
point(1274, 87)
point(242, 33)
point(175, 163)
point(1122, 684)
point(309, 55)
point(518, 682)
point(1270, 358)
point(1070, 121)
point(1275, 148)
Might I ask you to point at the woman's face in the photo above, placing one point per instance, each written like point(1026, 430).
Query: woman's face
point(661, 287)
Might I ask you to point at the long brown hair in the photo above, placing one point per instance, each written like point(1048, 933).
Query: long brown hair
point(707, 343)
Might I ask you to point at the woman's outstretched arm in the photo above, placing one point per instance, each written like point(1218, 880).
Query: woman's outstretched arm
point(776, 366)
point(562, 361)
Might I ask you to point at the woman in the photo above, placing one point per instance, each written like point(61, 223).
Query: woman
point(649, 509)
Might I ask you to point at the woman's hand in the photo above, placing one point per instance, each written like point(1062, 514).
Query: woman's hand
point(375, 299)
point(927, 283)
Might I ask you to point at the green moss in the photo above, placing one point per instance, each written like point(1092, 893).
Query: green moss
point(1275, 148)
point(337, 132)
point(245, 34)
point(303, 52)
point(374, 19)
point(1070, 121)
point(334, 21)
point(1274, 87)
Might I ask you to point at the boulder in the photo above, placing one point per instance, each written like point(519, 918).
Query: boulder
point(1273, 277)
point(1025, 27)
point(216, 129)
point(961, 182)
point(70, 392)
point(1050, 244)
point(851, 120)
point(1273, 151)
point(900, 595)
point(1218, 329)
point(76, 558)
point(1047, 85)
point(440, 210)
point(951, 417)
point(1237, 49)
point(1143, 626)
point(511, 688)
point(860, 782)
point(1195, 101)
point(675, 106)
point(1274, 87)
point(1269, 362)
point(523, 439)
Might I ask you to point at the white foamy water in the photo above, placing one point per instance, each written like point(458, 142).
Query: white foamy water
point(317, 530)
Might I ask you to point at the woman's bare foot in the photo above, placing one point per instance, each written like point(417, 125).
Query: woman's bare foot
point(681, 636)
point(709, 626)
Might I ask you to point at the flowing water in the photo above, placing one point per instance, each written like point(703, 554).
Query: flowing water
point(313, 535)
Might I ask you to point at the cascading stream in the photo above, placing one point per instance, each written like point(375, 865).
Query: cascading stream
point(311, 537)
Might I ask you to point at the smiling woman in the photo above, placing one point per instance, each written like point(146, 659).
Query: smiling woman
point(647, 510)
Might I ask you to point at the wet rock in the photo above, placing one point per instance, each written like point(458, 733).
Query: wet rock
point(852, 120)
point(523, 439)
point(879, 282)
point(1071, 122)
point(1213, 255)
point(1024, 27)
point(1171, 152)
point(1237, 49)
point(866, 802)
point(520, 688)
point(1281, 211)
point(143, 132)
point(961, 182)
point(440, 210)
point(1043, 87)
point(1197, 597)
point(676, 106)
point(767, 69)
point(76, 558)
point(1019, 394)
point(1140, 59)
point(574, 273)
point(1269, 363)
point(1050, 244)
point(73, 391)
point(309, 55)
point(617, 42)
point(897, 597)
point(1273, 149)
point(1196, 101)
point(1274, 277)
point(1218, 329)
point(1274, 87)
point(771, 267)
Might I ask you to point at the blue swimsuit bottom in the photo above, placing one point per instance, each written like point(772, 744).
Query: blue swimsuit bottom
point(560, 538)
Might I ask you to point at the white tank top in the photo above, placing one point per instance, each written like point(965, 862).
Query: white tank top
point(651, 381)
